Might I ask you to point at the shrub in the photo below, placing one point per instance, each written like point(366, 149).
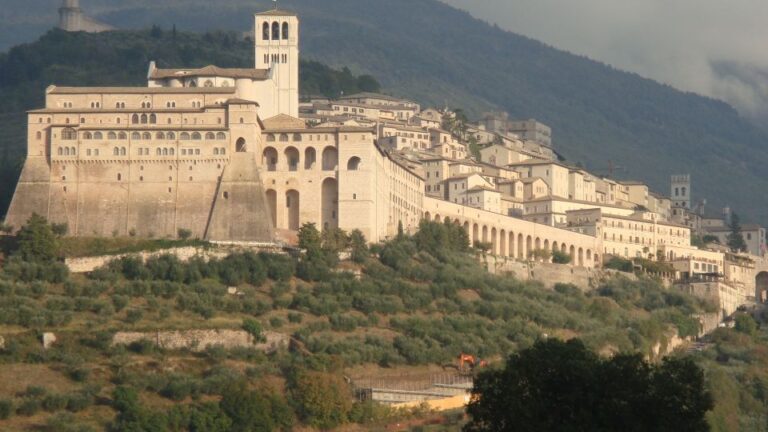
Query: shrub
point(276, 322)
point(54, 402)
point(6, 409)
point(745, 324)
point(28, 407)
point(559, 257)
point(134, 315)
point(254, 328)
point(184, 233)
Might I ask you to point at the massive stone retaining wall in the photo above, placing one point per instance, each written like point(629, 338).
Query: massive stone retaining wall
point(89, 264)
point(550, 274)
point(199, 340)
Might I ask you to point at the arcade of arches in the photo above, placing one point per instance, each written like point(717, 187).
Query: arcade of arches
point(521, 243)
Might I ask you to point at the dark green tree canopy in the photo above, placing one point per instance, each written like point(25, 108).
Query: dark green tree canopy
point(562, 386)
point(735, 237)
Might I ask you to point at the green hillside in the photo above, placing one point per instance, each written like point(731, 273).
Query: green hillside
point(122, 58)
point(416, 303)
point(438, 55)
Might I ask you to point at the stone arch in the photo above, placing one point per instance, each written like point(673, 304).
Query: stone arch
point(554, 247)
point(563, 248)
point(272, 204)
point(285, 31)
point(330, 159)
point(469, 233)
point(511, 245)
point(270, 158)
point(581, 257)
point(292, 204)
point(503, 243)
point(241, 146)
point(292, 158)
point(427, 216)
point(437, 218)
point(528, 246)
point(475, 234)
point(265, 31)
point(275, 31)
point(572, 253)
point(144, 119)
point(546, 245)
point(537, 244)
point(310, 158)
point(353, 164)
point(494, 241)
point(330, 203)
point(485, 234)
point(520, 247)
point(761, 287)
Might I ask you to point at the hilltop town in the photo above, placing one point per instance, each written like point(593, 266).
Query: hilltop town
point(215, 250)
point(238, 155)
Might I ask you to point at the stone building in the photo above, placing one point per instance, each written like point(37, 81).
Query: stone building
point(72, 18)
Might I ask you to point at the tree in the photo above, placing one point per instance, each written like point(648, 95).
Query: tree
point(556, 386)
point(560, 257)
point(324, 399)
point(735, 238)
point(37, 242)
point(310, 238)
point(255, 410)
point(334, 240)
point(254, 328)
point(745, 324)
point(359, 246)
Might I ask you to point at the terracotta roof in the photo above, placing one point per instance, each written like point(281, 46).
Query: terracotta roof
point(277, 12)
point(211, 71)
point(141, 90)
point(284, 121)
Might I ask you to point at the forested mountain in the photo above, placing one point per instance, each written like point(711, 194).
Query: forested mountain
point(438, 55)
point(122, 58)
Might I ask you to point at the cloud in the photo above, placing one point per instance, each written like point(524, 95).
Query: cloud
point(712, 47)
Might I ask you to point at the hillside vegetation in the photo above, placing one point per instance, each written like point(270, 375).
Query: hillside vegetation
point(122, 58)
point(419, 301)
point(438, 55)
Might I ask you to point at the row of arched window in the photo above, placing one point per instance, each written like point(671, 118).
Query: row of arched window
point(144, 119)
point(276, 34)
point(66, 151)
point(71, 134)
point(283, 137)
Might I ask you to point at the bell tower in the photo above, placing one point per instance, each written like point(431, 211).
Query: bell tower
point(680, 191)
point(276, 38)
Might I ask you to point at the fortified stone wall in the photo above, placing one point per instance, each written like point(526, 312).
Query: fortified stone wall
point(199, 340)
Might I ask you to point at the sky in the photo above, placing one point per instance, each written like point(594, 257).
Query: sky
point(717, 48)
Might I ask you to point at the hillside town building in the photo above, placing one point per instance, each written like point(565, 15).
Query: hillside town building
point(232, 155)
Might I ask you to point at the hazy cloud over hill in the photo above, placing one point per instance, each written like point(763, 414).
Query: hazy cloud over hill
point(712, 47)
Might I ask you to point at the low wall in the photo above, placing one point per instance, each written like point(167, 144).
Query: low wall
point(450, 403)
point(222, 250)
point(550, 274)
point(199, 340)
